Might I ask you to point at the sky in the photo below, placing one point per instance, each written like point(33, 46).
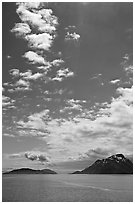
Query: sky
point(66, 83)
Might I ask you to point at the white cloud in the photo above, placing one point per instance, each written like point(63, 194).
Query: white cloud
point(42, 19)
point(115, 81)
point(57, 62)
point(72, 36)
point(7, 101)
point(128, 69)
point(14, 72)
point(29, 76)
point(126, 57)
point(21, 29)
point(35, 121)
point(37, 156)
point(63, 73)
point(34, 58)
point(41, 41)
point(8, 57)
point(73, 105)
point(3, 89)
point(112, 128)
point(22, 82)
point(96, 76)
point(70, 27)
point(30, 5)
point(19, 89)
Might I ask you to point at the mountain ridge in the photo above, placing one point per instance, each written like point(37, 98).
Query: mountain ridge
point(115, 164)
point(30, 171)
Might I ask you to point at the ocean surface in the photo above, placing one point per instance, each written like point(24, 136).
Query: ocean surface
point(66, 188)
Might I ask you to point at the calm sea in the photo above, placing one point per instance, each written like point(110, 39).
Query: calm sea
point(65, 188)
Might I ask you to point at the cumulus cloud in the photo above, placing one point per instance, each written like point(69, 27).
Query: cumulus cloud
point(35, 121)
point(128, 69)
point(22, 82)
point(21, 29)
point(72, 36)
point(34, 16)
point(29, 76)
point(38, 28)
point(20, 85)
point(34, 58)
point(30, 155)
point(57, 62)
point(63, 73)
point(41, 41)
point(14, 72)
point(7, 101)
point(72, 105)
point(42, 19)
point(112, 127)
point(35, 156)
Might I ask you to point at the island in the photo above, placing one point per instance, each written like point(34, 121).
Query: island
point(115, 164)
point(30, 171)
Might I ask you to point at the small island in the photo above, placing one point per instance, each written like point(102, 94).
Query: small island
point(115, 164)
point(30, 171)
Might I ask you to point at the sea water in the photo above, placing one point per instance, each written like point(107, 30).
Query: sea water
point(67, 187)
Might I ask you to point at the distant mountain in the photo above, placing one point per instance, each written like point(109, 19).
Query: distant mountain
point(30, 171)
point(115, 164)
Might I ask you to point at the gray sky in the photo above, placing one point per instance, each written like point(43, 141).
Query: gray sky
point(67, 83)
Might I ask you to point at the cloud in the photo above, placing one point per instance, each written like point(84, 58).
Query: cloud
point(21, 29)
point(38, 28)
point(99, 152)
point(22, 82)
point(57, 62)
point(20, 85)
point(33, 16)
point(8, 57)
point(35, 156)
point(36, 121)
point(34, 58)
point(126, 57)
point(14, 72)
point(30, 5)
point(30, 155)
point(96, 76)
point(29, 76)
point(7, 101)
point(70, 27)
point(63, 73)
point(15, 156)
point(41, 19)
point(111, 127)
point(72, 36)
point(17, 89)
point(41, 41)
point(115, 81)
point(129, 69)
point(72, 105)
point(3, 89)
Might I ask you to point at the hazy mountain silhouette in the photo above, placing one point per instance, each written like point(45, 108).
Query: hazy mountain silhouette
point(30, 171)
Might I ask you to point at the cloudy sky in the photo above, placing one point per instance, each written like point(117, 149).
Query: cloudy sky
point(67, 83)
